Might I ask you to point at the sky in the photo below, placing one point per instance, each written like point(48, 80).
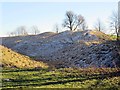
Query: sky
point(46, 14)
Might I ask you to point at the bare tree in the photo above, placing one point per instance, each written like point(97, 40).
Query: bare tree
point(56, 28)
point(118, 38)
point(8, 33)
point(72, 21)
point(21, 31)
point(12, 33)
point(84, 26)
point(99, 25)
point(35, 30)
point(114, 23)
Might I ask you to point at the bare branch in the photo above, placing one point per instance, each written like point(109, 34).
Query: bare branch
point(72, 20)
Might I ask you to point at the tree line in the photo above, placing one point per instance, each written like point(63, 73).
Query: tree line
point(75, 22)
point(72, 22)
point(22, 31)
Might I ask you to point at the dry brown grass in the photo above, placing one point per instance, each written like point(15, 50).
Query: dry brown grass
point(14, 59)
point(101, 35)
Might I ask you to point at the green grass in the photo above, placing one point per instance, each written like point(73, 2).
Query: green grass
point(62, 78)
point(114, 37)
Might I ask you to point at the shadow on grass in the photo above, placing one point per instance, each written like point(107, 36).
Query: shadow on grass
point(22, 70)
point(87, 77)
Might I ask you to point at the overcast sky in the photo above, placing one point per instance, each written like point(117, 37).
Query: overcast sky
point(46, 14)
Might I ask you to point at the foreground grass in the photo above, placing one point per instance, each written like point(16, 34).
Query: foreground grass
point(61, 78)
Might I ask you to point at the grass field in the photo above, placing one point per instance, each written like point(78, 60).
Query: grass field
point(101, 78)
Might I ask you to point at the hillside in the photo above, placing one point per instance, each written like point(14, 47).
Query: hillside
point(15, 60)
point(80, 59)
point(68, 49)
